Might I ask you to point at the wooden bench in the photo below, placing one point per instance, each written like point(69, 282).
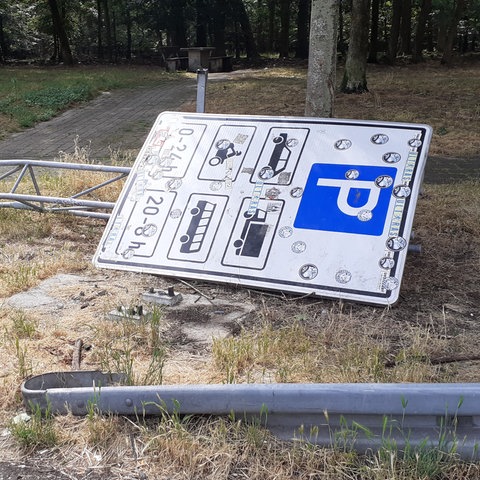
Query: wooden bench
point(220, 64)
point(176, 63)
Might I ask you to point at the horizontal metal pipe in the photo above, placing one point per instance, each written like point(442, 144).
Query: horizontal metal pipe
point(66, 202)
point(65, 165)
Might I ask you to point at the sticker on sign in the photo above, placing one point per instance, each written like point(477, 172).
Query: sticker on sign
point(304, 205)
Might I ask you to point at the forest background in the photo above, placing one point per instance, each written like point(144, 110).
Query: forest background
point(89, 31)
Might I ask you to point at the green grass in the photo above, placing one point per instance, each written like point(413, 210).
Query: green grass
point(37, 432)
point(32, 95)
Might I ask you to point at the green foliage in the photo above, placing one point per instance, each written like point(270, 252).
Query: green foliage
point(22, 325)
point(119, 351)
point(57, 98)
point(24, 365)
point(37, 432)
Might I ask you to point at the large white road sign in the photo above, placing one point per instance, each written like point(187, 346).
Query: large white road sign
point(321, 206)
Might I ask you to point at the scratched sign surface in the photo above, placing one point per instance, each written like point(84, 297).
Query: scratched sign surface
point(304, 205)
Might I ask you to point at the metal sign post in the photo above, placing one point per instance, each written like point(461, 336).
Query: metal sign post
point(202, 77)
point(314, 206)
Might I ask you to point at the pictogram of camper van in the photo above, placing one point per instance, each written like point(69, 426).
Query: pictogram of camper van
point(253, 234)
point(280, 156)
point(202, 214)
point(225, 149)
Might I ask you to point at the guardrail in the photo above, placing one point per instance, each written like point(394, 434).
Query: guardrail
point(357, 416)
point(24, 173)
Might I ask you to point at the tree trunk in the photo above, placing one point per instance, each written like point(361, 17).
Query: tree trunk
point(341, 44)
point(452, 32)
point(108, 29)
point(322, 58)
point(260, 27)
point(3, 46)
point(302, 29)
point(406, 28)
point(284, 43)
point(394, 31)
point(420, 30)
point(128, 20)
point(59, 30)
point(202, 21)
point(99, 29)
point(219, 11)
point(176, 25)
point(242, 18)
point(271, 25)
point(355, 75)
point(373, 50)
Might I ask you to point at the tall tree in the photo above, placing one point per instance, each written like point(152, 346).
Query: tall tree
point(60, 32)
point(322, 58)
point(452, 31)
point(3, 44)
point(374, 23)
point(301, 50)
point(284, 39)
point(272, 6)
point(425, 9)
point(201, 23)
point(241, 15)
point(406, 28)
point(394, 31)
point(355, 74)
point(218, 17)
point(176, 23)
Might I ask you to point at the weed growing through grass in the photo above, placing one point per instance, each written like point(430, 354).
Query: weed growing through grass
point(22, 325)
point(132, 337)
point(21, 278)
point(38, 432)
point(24, 364)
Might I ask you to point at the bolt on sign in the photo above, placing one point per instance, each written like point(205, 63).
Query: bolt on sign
point(305, 205)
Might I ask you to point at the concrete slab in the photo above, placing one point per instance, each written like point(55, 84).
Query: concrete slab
point(40, 295)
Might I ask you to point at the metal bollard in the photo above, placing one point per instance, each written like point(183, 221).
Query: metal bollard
point(202, 76)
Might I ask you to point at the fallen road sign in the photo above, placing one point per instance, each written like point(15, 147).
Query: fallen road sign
point(304, 205)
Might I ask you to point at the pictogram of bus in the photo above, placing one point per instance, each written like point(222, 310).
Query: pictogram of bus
point(202, 214)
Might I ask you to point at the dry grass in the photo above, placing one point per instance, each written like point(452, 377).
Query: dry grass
point(447, 99)
point(428, 337)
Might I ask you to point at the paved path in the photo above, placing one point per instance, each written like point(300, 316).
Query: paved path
point(120, 120)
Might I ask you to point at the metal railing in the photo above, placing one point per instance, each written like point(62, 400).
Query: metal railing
point(21, 171)
point(24, 175)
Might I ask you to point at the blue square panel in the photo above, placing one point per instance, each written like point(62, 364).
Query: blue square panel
point(346, 198)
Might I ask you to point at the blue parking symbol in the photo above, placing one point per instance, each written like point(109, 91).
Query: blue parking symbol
point(346, 198)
